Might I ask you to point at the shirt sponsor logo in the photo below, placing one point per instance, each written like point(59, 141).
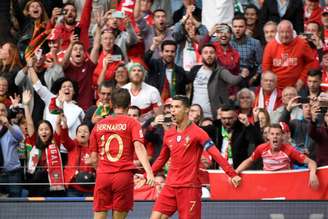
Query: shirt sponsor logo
point(111, 127)
point(285, 61)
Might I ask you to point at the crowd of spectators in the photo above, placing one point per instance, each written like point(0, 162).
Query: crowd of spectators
point(248, 67)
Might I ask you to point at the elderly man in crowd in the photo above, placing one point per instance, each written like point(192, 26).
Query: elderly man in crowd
point(288, 93)
point(288, 56)
point(267, 95)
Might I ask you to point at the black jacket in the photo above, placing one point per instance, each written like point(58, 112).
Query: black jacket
point(294, 13)
point(156, 74)
point(241, 140)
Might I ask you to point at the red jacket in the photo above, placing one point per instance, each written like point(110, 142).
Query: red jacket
point(290, 62)
point(75, 150)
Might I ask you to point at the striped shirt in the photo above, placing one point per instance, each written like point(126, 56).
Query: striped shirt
point(281, 160)
point(251, 52)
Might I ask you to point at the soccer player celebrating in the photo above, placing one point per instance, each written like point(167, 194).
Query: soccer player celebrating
point(184, 144)
point(113, 142)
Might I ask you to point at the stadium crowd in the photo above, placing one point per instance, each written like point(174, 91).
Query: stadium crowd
point(255, 71)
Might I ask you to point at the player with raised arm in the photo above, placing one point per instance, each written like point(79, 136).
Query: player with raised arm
point(113, 142)
point(184, 144)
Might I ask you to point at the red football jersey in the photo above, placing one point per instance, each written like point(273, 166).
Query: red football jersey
point(112, 138)
point(185, 150)
point(281, 160)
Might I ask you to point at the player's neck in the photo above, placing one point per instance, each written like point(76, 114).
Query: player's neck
point(183, 125)
point(120, 111)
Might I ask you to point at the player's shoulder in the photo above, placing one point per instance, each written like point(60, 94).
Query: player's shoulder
point(263, 147)
point(196, 130)
point(287, 148)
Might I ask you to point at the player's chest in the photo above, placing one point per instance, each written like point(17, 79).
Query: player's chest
point(181, 142)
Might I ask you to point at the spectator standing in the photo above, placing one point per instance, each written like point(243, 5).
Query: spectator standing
point(102, 108)
point(291, 66)
point(279, 156)
point(319, 134)
point(267, 95)
point(187, 5)
point(252, 14)
point(288, 93)
point(324, 78)
point(158, 30)
point(210, 82)
point(189, 34)
point(235, 135)
point(10, 171)
point(169, 78)
point(79, 68)
point(143, 95)
point(250, 50)
point(312, 12)
point(292, 10)
point(270, 31)
point(68, 25)
point(10, 65)
point(312, 87)
point(324, 20)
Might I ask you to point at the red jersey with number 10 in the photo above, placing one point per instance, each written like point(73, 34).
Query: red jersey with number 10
point(112, 138)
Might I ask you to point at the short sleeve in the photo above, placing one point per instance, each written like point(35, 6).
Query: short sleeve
point(93, 141)
point(136, 131)
point(295, 154)
point(257, 153)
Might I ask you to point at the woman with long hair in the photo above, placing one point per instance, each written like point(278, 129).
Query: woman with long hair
point(44, 164)
point(10, 65)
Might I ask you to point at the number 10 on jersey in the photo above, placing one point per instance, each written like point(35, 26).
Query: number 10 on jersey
point(106, 144)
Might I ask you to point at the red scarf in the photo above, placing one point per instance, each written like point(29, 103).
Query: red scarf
point(55, 168)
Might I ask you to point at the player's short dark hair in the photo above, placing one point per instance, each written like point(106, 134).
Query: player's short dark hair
point(159, 10)
point(207, 45)
point(107, 84)
point(239, 17)
point(133, 107)
point(121, 98)
point(228, 107)
point(315, 73)
point(275, 126)
point(184, 99)
point(168, 42)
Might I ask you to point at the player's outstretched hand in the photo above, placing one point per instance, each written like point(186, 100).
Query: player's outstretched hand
point(236, 180)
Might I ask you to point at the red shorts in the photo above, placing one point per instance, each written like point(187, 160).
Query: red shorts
point(113, 191)
point(186, 200)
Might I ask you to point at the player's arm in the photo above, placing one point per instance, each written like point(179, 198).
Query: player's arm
point(313, 179)
point(93, 159)
point(301, 158)
point(143, 158)
point(215, 153)
point(161, 159)
point(245, 165)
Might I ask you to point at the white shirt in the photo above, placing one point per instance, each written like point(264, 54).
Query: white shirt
point(200, 94)
point(147, 96)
